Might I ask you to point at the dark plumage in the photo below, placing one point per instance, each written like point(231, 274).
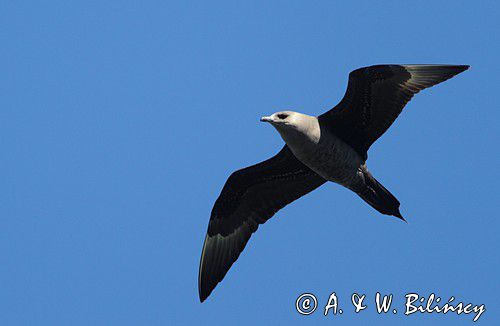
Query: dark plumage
point(250, 197)
point(374, 98)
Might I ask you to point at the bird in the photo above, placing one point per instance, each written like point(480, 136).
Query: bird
point(331, 147)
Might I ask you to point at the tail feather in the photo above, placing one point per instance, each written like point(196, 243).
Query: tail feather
point(379, 197)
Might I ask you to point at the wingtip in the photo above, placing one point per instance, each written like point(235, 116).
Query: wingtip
point(203, 297)
point(203, 291)
point(457, 69)
point(444, 67)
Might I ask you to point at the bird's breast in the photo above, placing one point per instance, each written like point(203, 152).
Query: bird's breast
point(330, 157)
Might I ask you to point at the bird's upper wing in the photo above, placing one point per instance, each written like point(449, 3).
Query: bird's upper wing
point(250, 197)
point(375, 97)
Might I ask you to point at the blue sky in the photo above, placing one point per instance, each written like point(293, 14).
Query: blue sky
point(110, 111)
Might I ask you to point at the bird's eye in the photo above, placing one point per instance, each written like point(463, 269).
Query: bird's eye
point(282, 116)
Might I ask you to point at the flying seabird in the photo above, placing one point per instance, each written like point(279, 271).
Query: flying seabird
point(331, 147)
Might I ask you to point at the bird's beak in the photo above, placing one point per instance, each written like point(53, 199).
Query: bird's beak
point(266, 119)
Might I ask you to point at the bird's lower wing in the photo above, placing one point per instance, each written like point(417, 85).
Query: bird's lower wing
point(250, 197)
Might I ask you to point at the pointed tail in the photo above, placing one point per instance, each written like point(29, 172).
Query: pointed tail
point(379, 197)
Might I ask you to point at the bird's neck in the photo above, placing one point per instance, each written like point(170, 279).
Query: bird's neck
point(307, 135)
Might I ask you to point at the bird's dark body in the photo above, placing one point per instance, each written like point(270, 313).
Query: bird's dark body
point(334, 151)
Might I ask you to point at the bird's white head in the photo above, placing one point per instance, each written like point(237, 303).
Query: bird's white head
point(291, 124)
point(282, 119)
